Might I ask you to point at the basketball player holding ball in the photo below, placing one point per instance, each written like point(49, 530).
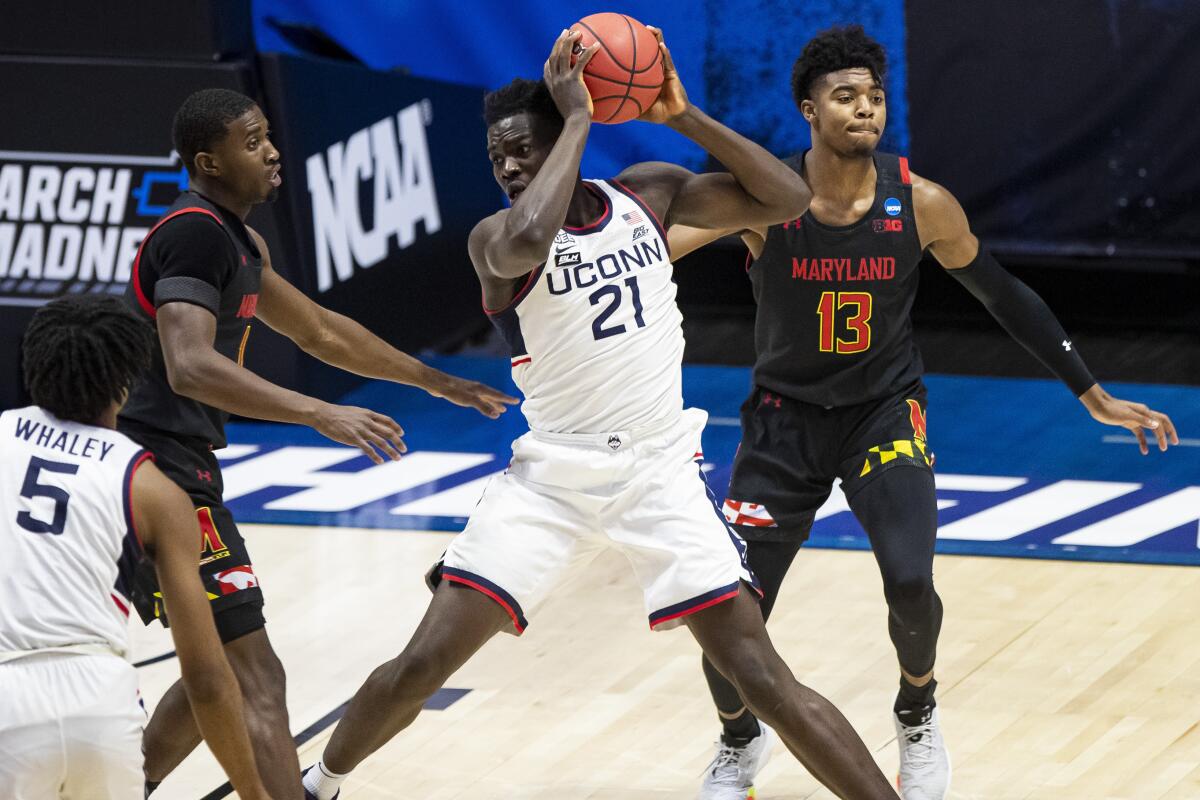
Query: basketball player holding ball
point(576, 276)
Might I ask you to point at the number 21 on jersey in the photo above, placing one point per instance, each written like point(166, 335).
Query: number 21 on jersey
point(610, 297)
point(857, 329)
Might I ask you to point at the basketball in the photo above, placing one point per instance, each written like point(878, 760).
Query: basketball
point(625, 75)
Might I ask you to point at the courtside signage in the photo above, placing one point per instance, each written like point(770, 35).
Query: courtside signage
point(387, 163)
point(71, 223)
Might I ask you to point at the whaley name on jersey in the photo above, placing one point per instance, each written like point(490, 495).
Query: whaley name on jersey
point(70, 442)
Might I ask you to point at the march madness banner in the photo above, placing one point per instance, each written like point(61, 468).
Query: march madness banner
point(86, 166)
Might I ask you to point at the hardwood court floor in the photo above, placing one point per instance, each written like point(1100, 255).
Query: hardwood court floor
point(1058, 681)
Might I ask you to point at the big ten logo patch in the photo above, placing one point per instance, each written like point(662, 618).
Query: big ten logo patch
point(212, 547)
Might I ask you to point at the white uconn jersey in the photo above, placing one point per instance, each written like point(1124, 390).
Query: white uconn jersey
point(595, 333)
point(67, 546)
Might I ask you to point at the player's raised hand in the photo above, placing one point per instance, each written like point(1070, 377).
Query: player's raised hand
point(672, 100)
point(563, 74)
point(472, 394)
point(362, 428)
point(1136, 417)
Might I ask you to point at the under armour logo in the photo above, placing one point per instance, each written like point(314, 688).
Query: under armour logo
point(772, 399)
point(204, 475)
point(614, 442)
point(1066, 343)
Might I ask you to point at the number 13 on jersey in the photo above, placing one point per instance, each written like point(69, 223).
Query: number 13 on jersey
point(857, 328)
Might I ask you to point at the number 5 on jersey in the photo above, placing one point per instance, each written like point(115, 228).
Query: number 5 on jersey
point(856, 323)
point(32, 489)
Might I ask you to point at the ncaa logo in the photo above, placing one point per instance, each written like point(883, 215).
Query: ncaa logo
point(891, 206)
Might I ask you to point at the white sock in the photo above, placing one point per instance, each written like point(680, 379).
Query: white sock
point(322, 782)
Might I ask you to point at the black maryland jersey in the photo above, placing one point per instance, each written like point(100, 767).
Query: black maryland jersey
point(833, 324)
point(198, 253)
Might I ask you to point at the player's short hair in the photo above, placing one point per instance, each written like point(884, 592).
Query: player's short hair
point(202, 121)
point(521, 96)
point(838, 48)
point(81, 353)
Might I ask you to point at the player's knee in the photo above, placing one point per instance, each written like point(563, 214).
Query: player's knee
point(264, 690)
point(913, 591)
point(758, 683)
point(416, 673)
point(263, 681)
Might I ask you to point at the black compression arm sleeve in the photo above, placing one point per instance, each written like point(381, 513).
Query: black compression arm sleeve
point(1026, 317)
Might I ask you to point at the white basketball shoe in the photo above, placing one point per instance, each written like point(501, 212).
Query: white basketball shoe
point(924, 760)
point(730, 776)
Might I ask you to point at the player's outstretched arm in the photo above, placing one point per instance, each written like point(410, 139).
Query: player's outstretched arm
point(758, 190)
point(338, 340)
point(512, 243)
point(167, 526)
point(945, 231)
point(196, 370)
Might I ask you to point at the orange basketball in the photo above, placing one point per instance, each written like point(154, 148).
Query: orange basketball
point(625, 76)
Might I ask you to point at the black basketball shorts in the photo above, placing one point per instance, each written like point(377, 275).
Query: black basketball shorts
point(225, 567)
point(791, 453)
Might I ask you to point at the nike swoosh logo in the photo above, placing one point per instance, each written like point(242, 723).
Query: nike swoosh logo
point(558, 250)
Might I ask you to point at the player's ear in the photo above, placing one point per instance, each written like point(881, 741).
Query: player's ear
point(809, 109)
point(206, 164)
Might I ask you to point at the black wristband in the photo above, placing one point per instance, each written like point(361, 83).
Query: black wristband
point(1026, 317)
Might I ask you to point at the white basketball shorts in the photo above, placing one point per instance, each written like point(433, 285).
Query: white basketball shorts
point(564, 497)
point(70, 726)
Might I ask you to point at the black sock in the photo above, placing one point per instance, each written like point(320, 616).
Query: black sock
point(915, 704)
point(739, 731)
point(739, 724)
point(151, 786)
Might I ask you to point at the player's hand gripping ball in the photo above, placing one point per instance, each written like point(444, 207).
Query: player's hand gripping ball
point(625, 75)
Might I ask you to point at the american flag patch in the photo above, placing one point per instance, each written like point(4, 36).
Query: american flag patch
point(633, 217)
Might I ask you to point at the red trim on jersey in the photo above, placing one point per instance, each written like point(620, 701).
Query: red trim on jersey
point(749, 260)
point(480, 588)
point(146, 305)
point(689, 611)
point(599, 220)
point(124, 609)
point(133, 468)
point(522, 360)
point(534, 274)
point(905, 177)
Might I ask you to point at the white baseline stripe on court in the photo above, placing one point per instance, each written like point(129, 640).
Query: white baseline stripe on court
point(1027, 512)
